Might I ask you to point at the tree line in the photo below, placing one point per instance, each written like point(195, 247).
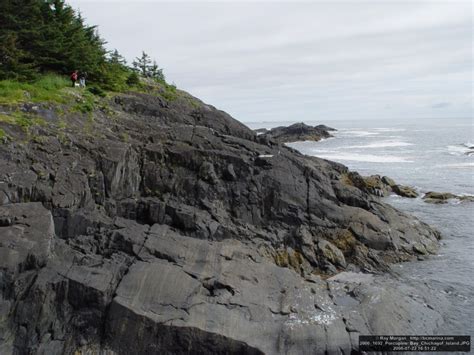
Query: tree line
point(49, 36)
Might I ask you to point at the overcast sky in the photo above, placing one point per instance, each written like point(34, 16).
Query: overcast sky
point(304, 61)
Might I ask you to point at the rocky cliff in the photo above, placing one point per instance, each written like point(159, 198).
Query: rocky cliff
point(148, 225)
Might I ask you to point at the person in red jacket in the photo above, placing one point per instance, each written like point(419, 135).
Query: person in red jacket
point(74, 78)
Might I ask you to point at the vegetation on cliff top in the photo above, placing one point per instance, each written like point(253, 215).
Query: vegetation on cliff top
point(43, 37)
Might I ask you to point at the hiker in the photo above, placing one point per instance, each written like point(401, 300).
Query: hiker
point(74, 78)
point(82, 79)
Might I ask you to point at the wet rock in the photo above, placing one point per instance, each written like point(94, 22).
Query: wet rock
point(438, 197)
point(388, 181)
point(405, 191)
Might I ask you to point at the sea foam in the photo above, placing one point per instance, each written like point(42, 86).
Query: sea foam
point(364, 157)
point(461, 149)
point(382, 144)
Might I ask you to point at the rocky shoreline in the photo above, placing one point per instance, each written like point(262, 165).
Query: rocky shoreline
point(384, 186)
point(154, 226)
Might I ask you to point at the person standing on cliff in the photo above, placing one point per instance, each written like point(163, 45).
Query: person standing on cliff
point(82, 79)
point(74, 78)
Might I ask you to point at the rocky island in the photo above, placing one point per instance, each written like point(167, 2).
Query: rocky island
point(154, 224)
point(296, 132)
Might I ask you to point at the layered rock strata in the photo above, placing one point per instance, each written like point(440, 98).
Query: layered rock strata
point(166, 227)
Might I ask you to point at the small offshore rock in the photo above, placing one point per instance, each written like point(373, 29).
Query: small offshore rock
point(297, 132)
point(388, 181)
point(405, 191)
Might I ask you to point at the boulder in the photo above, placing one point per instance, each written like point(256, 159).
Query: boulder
point(405, 191)
point(388, 181)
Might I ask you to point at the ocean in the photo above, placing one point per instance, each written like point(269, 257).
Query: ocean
point(431, 155)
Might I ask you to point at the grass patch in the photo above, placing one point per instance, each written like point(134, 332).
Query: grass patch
point(95, 90)
point(47, 88)
point(61, 135)
point(22, 120)
point(157, 88)
point(125, 137)
point(84, 107)
point(169, 91)
point(4, 137)
point(86, 104)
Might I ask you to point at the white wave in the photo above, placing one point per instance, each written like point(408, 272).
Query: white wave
point(384, 129)
point(464, 194)
point(365, 158)
point(461, 149)
point(456, 166)
point(382, 144)
point(308, 142)
point(357, 133)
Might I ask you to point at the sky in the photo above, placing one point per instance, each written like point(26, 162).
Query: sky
point(268, 61)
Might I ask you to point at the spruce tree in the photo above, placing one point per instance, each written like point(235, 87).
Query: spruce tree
point(116, 58)
point(47, 36)
point(155, 72)
point(41, 36)
point(142, 64)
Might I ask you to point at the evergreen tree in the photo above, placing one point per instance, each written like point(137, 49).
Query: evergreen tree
point(142, 64)
point(46, 36)
point(133, 79)
point(147, 68)
point(155, 72)
point(17, 24)
point(116, 58)
point(40, 36)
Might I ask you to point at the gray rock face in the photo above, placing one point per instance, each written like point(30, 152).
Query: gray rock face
point(26, 238)
point(192, 236)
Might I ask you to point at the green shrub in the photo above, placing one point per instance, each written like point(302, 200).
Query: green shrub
point(96, 91)
point(86, 103)
point(84, 107)
point(133, 79)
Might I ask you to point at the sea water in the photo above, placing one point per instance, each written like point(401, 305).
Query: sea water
point(431, 155)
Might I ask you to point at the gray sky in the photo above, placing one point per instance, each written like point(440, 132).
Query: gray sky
point(304, 61)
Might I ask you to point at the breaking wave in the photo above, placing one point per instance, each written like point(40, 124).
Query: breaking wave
point(382, 144)
point(461, 149)
point(364, 157)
